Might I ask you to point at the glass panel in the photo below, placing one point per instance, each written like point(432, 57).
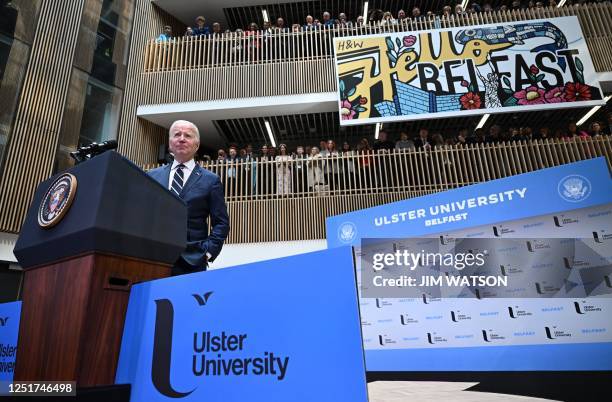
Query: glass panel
point(100, 112)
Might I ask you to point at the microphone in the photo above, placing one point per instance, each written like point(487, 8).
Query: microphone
point(89, 151)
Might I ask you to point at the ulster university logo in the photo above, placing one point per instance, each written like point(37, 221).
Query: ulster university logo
point(574, 188)
point(215, 354)
point(57, 200)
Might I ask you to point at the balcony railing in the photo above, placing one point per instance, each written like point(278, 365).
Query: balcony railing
point(289, 199)
point(254, 48)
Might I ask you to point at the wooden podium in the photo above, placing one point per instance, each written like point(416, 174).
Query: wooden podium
point(103, 226)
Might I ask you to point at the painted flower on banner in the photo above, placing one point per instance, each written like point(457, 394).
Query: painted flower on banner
point(409, 40)
point(575, 91)
point(554, 95)
point(346, 109)
point(470, 100)
point(531, 95)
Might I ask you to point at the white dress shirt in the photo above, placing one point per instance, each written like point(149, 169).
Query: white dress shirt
point(189, 166)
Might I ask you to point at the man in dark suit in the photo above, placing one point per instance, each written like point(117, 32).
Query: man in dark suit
point(202, 192)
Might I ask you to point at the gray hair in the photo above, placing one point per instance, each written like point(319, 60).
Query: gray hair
point(193, 127)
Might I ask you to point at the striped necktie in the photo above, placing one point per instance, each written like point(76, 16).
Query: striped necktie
point(177, 180)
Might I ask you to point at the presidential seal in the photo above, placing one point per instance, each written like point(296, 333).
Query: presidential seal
point(57, 200)
point(574, 188)
point(347, 232)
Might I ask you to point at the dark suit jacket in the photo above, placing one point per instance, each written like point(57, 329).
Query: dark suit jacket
point(203, 194)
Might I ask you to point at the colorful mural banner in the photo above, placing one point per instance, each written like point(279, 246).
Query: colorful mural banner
point(496, 68)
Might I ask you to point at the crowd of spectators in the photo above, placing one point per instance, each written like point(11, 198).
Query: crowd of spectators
point(321, 167)
point(375, 17)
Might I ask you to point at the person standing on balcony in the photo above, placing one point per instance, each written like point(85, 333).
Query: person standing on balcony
point(330, 161)
point(233, 175)
point(264, 172)
point(327, 21)
point(166, 35)
point(365, 162)
point(343, 21)
point(347, 181)
point(360, 21)
point(316, 182)
point(202, 192)
point(416, 14)
point(401, 16)
point(383, 147)
point(404, 142)
point(309, 25)
point(216, 29)
point(254, 41)
point(299, 170)
point(283, 171)
point(388, 20)
point(608, 129)
point(280, 25)
point(422, 142)
point(200, 27)
point(595, 129)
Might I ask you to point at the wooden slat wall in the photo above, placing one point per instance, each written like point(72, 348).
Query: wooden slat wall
point(140, 140)
point(261, 214)
point(33, 143)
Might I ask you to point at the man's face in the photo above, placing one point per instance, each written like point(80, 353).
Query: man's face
point(216, 27)
point(416, 12)
point(342, 17)
point(249, 149)
point(264, 150)
point(401, 14)
point(382, 136)
point(280, 22)
point(267, 24)
point(322, 144)
point(168, 31)
point(300, 151)
point(423, 134)
point(200, 22)
point(309, 19)
point(326, 16)
point(232, 152)
point(330, 145)
point(183, 142)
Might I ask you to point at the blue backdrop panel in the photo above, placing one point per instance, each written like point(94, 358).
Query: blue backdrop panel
point(567, 187)
point(10, 313)
point(269, 331)
point(573, 200)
